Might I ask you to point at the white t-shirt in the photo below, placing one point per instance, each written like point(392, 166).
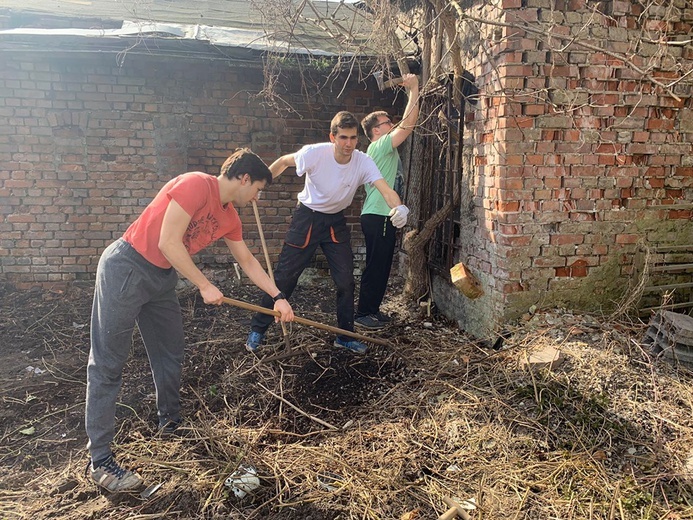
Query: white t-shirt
point(330, 186)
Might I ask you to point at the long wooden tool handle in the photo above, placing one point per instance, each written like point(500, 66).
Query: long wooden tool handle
point(262, 240)
point(304, 321)
point(269, 264)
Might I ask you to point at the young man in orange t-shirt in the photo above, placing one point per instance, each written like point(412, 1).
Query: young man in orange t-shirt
point(135, 284)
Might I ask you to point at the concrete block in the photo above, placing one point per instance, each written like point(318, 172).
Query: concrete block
point(548, 357)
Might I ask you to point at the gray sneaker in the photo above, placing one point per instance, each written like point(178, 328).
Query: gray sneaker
point(110, 476)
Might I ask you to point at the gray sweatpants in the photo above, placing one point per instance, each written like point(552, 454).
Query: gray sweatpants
point(130, 290)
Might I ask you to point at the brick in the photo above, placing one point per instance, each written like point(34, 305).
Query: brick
point(627, 239)
point(567, 239)
point(546, 261)
point(680, 214)
point(512, 206)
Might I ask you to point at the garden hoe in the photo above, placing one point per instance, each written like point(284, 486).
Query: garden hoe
point(304, 321)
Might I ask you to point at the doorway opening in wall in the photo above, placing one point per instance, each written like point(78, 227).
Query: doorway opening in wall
point(435, 170)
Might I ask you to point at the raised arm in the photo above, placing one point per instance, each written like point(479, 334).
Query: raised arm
point(281, 164)
point(411, 111)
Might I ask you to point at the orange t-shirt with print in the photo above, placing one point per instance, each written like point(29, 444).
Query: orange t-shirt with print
point(198, 194)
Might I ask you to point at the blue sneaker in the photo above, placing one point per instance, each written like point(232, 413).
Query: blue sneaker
point(351, 344)
point(255, 339)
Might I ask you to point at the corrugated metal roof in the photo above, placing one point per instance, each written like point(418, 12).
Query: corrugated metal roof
point(228, 23)
point(218, 36)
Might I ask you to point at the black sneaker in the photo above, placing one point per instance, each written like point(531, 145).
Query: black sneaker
point(382, 317)
point(110, 476)
point(369, 322)
point(170, 429)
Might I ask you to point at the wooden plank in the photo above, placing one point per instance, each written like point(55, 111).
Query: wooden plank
point(669, 268)
point(654, 288)
point(672, 249)
point(684, 305)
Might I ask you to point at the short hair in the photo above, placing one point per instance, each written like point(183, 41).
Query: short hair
point(244, 161)
point(369, 122)
point(343, 119)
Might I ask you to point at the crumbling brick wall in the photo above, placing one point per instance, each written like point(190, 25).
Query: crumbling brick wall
point(577, 156)
point(86, 143)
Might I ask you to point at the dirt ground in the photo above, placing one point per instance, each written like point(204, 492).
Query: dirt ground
point(332, 435)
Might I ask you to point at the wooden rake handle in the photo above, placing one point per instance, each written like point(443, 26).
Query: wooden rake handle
point(269, 264)
point(304, 321)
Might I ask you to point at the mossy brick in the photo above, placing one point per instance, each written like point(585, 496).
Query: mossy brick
point(569, 97)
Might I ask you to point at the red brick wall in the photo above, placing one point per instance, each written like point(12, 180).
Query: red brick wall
point(572, 155)
point(85, 144)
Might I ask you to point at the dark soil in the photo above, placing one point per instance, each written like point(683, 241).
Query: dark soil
point(389, 435)
point(43, 379)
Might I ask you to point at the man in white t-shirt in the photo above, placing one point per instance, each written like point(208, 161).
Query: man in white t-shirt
point(333, 172)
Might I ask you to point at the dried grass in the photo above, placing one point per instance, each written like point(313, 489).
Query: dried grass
point(606, 435)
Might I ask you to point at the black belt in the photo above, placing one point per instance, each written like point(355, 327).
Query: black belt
point(301, 205)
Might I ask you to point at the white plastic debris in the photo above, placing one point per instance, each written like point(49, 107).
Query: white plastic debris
point(330, 481)
point(243, 481)
point(469, 504)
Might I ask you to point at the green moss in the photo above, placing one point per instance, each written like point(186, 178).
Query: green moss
point(599, 290)
point(604, 286)
point(602, 290)
point(664, 231)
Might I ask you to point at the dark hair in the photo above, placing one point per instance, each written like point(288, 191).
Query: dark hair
point(244, 161)
point(369, 122)
point(343, 119)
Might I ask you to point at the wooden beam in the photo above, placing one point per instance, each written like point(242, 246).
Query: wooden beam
point(671, 267)
point(654, 288)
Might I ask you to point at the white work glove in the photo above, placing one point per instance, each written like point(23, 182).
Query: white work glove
point(398, 216)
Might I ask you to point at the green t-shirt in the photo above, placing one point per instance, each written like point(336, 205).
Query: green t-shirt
point(386, 159)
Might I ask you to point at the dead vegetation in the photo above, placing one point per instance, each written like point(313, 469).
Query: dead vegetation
point(606, 435)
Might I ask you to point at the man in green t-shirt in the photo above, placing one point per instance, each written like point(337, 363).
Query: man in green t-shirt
point(378, 230)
